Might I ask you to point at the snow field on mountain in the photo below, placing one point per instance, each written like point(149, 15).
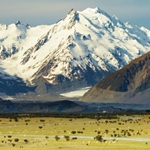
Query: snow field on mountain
point(31, 35)
point(76, 93)
point(83, 38)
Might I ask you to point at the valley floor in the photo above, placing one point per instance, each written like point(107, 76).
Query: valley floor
point(53, 133)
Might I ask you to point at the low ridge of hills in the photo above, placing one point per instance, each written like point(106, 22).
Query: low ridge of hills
point(63, 106)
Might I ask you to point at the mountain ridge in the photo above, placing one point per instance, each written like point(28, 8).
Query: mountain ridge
point(77, 51)
point(131, 84)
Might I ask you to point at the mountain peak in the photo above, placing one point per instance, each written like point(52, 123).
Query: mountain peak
point(75, 52)
point(21, 25)
point(18, 23)
point(72, 11)
point(70, 20)
point(95, 10)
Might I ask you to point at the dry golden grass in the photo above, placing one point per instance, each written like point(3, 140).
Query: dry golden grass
point(39, 133)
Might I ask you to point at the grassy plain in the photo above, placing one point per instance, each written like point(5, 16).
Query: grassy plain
point(47, 133)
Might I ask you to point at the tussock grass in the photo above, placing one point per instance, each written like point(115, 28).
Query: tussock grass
point(19, 135)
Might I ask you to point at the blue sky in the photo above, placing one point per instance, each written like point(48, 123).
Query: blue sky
point(37, 12)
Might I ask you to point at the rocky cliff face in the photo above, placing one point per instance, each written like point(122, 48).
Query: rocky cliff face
point(131, 84)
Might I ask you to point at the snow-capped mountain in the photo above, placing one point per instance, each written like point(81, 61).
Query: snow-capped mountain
point(77, 51)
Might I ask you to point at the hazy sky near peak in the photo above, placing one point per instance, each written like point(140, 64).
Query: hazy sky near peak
point(37, 12)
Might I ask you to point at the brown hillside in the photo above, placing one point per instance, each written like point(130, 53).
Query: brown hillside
point(129, 84)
